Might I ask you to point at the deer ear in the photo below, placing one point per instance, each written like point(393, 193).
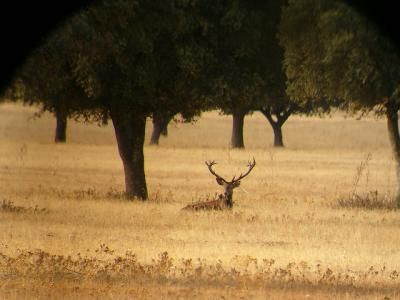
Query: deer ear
point(237, 183)
point(220, 181)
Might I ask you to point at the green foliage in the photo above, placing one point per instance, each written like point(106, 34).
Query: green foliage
point(241, 36)
point(47, 78)
point(121, 59)
point(160, 57)
point(133, 55)
point(331, 52)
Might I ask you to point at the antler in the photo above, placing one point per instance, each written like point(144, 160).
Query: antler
point(251, 165)
point(209, 165)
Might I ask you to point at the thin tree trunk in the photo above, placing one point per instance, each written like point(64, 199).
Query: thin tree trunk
point(281, 118)
point(130, 133)
point(61, 128)
point(155, 135)
point(278, 138)
point(393, 130)
point(237, 130)
point(160, 127)
point(164, 131)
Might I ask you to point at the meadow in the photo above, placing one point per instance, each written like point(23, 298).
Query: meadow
point(312, 221)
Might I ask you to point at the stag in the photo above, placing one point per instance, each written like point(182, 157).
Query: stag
point(223, 200)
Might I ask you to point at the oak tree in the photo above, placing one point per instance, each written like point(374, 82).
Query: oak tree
point(332, 52)
point(128, 60)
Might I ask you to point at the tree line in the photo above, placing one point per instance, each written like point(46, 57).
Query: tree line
point(129, 60)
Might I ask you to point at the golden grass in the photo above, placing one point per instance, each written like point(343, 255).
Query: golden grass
point(287, 212)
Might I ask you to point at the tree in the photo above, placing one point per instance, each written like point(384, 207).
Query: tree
point(248, 37)
point(44, 89)
point(277, 116)
point(249, 76)
point(60, 135)
point(277, 106)
point(244, 73)
point(129, 59)
point(280, 108)
point(232, 35)
point(333, 52)
point(45, 79)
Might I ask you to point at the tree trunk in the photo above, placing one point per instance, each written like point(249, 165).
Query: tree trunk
point(393, 130)
point(237, 130)
point(278, 138)
point(281, 117)
point(160, 127)
point(130, 133)
point(61, 128)
point(164, 131)
point(155, 135)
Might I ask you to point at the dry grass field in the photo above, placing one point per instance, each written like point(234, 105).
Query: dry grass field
point(310, 222)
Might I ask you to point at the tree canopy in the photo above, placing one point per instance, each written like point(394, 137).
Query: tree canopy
point(246, 57)
point(125, 60)
point(332, 52)
point(130, 60)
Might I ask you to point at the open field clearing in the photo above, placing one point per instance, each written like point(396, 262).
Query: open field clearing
point(67, 232)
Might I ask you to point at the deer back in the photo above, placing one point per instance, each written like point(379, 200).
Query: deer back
point(218, 204)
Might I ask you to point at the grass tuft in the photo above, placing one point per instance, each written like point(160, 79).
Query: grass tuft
point(371, 200)
point(10, 207)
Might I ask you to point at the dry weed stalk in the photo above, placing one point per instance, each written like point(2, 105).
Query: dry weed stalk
point(359, 172)
point(370, 200)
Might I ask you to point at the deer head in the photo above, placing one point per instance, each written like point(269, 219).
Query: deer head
point(229, 185)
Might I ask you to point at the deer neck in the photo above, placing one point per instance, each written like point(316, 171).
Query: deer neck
point(228, 192)
point(228, 197)
point(228, 200)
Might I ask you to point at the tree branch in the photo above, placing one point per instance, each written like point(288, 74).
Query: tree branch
point(286, 114)
point(266, 111)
